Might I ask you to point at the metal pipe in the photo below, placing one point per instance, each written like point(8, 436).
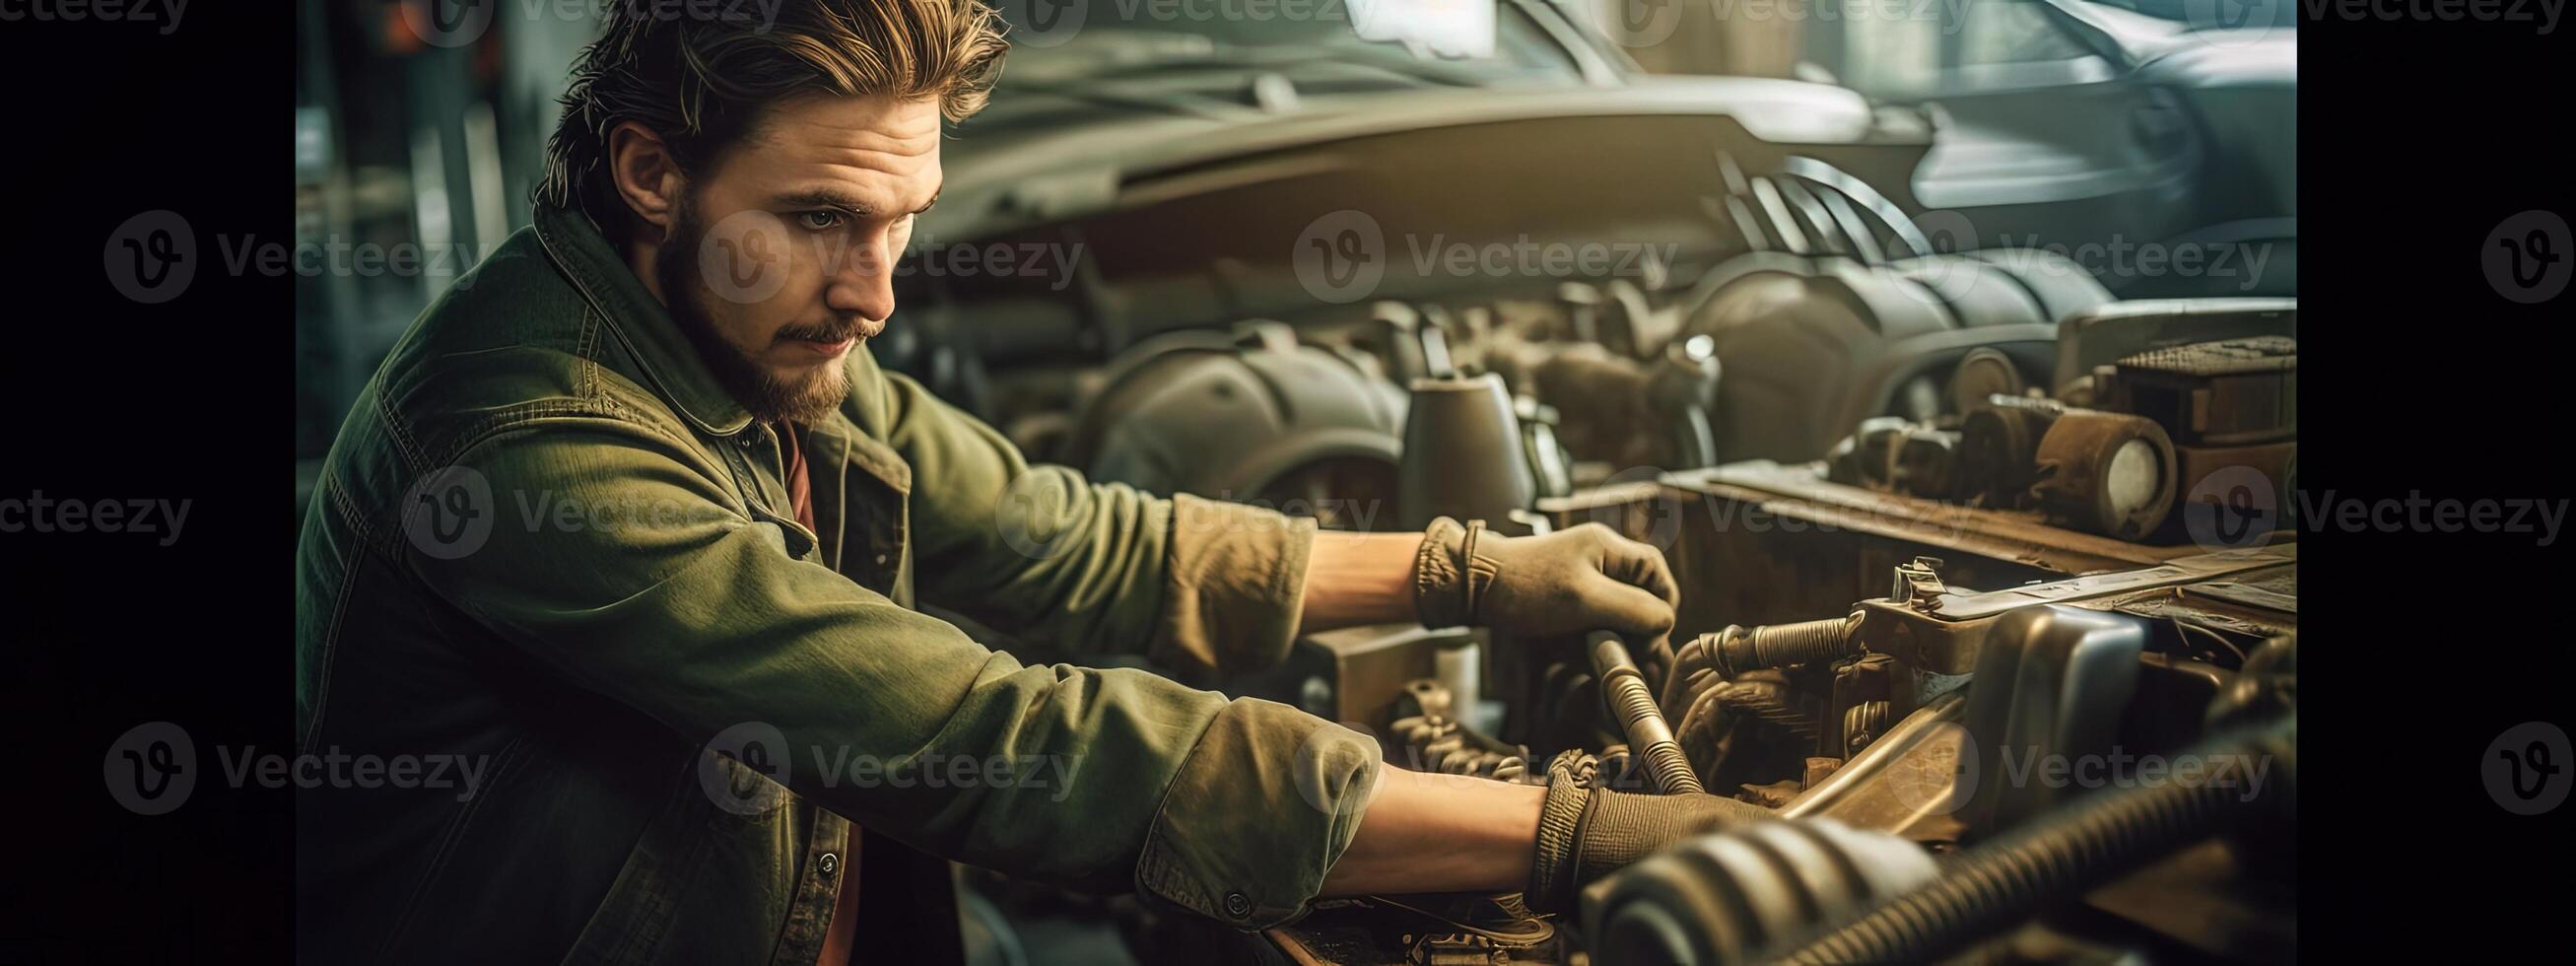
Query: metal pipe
point(1632, 704)
point(1738, 649)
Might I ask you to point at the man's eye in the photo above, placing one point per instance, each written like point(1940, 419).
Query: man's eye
point(819, 220)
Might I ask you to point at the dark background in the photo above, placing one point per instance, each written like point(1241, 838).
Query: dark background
point(2418, 138)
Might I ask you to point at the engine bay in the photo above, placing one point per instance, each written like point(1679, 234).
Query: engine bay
point(1988, 590)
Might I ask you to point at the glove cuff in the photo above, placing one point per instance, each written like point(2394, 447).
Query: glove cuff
point(1553, 869)
point(1449, 577)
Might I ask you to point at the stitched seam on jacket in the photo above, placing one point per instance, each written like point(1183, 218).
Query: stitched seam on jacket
point(1163, 870)
point(448, 839)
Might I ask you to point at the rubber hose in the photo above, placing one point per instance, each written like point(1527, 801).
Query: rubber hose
point(2059, 856)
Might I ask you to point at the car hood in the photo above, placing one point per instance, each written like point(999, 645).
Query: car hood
point(1007, 177)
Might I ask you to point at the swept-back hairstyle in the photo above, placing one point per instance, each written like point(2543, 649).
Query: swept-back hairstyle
point(701, 77)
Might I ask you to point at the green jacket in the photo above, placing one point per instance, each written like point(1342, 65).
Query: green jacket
point(550, 565)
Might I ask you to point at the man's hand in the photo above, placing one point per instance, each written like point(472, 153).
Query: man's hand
point(1586, 578)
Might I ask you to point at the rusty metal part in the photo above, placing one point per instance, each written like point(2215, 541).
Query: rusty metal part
point(1861, 724)
point(1632, 705)
point(1945, 638)
point(1999, 452)
point(2222, 393)
point(1738, 649)
point(2109, 473)
point(1985, 372)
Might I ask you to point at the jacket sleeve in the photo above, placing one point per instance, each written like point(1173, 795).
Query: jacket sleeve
point(1195, 585)
point(663, 594)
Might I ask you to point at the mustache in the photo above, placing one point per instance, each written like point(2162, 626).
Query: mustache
point(830, 333)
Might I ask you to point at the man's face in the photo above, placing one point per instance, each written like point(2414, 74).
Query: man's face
point(781, 258)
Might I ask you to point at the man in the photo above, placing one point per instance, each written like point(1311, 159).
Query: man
point(629, 528)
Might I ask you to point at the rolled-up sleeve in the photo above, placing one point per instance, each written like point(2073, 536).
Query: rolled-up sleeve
point(669, 599)
point(1201, 587)
point(1232, 839)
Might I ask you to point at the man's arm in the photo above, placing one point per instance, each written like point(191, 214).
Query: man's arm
point(696, 616)
point(1359, 578)
point(1085, 568)
point(1430, 832)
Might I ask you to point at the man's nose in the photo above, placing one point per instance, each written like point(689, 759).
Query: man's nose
point(862, 282)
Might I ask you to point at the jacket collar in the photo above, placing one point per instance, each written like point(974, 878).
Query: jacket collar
point(639, 321)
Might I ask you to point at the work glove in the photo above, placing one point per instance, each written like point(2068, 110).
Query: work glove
point(1586, 833)
point(1587, 578)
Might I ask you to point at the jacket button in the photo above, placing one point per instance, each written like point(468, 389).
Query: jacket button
point(828, 864)
point(1237, 906)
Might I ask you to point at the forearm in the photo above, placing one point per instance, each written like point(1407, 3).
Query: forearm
point(1428, 832)
point(1359, 578)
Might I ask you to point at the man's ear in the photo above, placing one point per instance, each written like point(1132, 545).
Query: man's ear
point(648, 177)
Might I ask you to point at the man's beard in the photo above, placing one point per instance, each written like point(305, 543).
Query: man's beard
point(768, 398)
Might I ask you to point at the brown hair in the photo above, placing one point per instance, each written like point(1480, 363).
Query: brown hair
point(701, 81)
